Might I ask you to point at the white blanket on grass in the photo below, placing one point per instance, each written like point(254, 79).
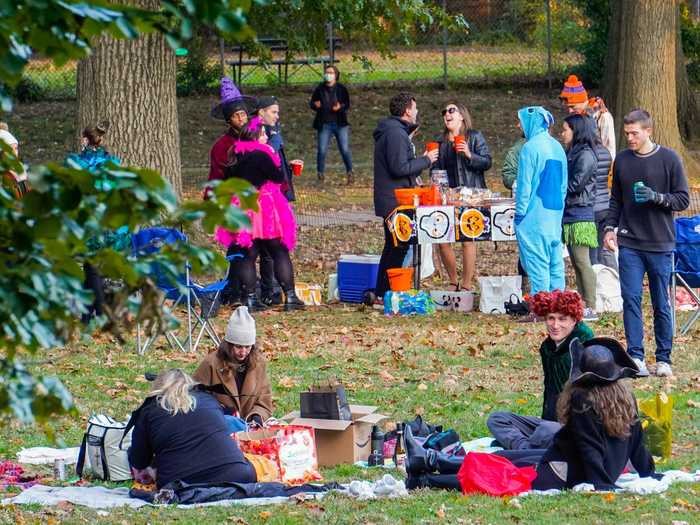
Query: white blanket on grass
point(104, 498)
point(632, 484)
point(47, 455)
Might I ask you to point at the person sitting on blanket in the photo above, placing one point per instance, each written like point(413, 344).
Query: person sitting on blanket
point(239, 367)
point(181, 432)
point(601, 429)
point(562, 313)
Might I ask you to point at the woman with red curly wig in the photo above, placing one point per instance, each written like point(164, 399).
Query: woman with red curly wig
point(563, 314)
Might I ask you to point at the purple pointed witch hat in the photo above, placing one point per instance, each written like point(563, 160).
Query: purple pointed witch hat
point(232, 100)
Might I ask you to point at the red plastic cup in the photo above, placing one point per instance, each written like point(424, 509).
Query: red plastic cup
point(459, 139)
point(297, 167)
point(430, 146)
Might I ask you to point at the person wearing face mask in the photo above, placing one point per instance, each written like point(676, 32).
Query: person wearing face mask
point(395, 166)
point(648, 186)
point(331, 102)
point(233, 109)
point(238, 365)
point(465, 161)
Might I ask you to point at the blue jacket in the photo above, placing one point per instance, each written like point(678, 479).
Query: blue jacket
point(542, 176)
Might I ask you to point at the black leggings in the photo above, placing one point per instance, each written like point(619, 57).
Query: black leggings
point(242, 269)
point(93, 281)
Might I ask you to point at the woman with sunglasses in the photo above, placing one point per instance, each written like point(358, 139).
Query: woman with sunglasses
point(465, 160)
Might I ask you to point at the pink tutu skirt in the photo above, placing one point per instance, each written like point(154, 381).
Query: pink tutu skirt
point(273, 220)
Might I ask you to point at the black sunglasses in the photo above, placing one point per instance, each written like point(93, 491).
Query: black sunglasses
point(450, 111)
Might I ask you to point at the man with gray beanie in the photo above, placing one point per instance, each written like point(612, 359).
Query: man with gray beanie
point(240, 369)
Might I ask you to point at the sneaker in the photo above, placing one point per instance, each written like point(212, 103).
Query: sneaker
point(663, 369)
point(589, 314)
point(643, 370)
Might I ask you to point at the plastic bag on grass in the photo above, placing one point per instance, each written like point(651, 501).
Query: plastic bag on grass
point(656, 415)
point(494, 475)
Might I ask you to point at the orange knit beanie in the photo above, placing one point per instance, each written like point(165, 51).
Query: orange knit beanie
point(573, 91)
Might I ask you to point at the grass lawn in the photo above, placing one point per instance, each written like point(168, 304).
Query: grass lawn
point(453, 369)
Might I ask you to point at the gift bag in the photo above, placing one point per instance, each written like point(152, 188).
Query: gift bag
point(656, 417)
point(325, 401)
point(496, 291)
point(291, 448)
point(483, 473)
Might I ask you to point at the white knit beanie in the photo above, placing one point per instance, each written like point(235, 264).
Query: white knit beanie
point(241, 328)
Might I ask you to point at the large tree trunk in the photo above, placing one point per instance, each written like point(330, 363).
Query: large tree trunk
point(688, 109)
point(643, 69)
point(131, 83)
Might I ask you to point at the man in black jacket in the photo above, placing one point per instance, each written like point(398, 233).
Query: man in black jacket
point(395, 166)
point(649, 184)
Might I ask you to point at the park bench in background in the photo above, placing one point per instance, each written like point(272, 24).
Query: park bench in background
point(287, 65)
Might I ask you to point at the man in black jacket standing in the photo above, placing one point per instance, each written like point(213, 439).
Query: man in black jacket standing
point(649, 184)
point(395, 166)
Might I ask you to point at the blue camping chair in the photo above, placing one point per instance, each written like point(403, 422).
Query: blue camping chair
point(686, 265)
point(202, 301)
point(149, 241)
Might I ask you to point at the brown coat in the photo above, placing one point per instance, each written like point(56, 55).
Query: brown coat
point(255, 396)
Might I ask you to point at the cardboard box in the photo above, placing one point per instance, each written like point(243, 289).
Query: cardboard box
point(341, 442)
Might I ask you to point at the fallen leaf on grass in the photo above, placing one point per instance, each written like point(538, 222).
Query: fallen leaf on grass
point(386, 376)
point(694, 404)
point(440, 513)
point(422, 386)
point(521, 401)
point(287, 382)
point(265, 515)
point(609, 497)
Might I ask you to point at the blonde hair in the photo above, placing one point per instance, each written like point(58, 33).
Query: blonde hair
point(613, 403)
point(172, 391)
point(4, 126)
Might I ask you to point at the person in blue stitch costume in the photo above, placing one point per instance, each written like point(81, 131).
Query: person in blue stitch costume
point(539, 202)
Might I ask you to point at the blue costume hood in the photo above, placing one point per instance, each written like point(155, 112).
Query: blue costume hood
point(534, 120)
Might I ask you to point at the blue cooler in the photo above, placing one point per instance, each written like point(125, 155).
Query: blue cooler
point(356, 275)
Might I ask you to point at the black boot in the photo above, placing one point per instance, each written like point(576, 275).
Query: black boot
point(292, 302)
point(253, 304)
point(415, 455)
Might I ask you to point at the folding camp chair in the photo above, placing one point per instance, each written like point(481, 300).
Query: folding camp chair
point(208, 298)
point(149, 241)
point(686, 266)
point(202, 301)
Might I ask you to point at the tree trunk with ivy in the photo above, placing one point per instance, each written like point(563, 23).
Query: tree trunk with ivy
point(646, 69)
point(132, 84)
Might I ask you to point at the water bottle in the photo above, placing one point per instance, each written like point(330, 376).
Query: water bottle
point(376, 456)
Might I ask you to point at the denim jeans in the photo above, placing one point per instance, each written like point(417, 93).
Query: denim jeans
point(657, 265)
point(342, 136)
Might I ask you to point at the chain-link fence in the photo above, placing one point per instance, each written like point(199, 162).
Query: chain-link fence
point(505, 40)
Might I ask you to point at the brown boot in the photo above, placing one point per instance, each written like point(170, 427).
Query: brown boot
point(350, 180)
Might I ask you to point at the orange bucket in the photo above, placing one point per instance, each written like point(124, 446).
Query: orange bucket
point(404, 196)
point(431, 196)
point(400, 279)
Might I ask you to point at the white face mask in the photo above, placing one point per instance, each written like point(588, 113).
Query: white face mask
point(329, 77)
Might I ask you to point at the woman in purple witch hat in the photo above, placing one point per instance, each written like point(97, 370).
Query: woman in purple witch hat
point(233, 108)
